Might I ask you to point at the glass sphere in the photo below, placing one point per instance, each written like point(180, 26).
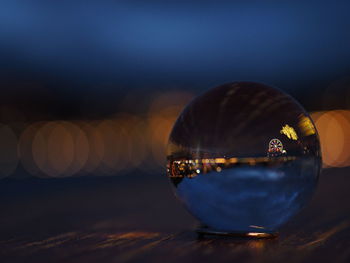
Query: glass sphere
point(244, 157)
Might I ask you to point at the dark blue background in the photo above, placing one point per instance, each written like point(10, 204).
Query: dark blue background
point(88, 48)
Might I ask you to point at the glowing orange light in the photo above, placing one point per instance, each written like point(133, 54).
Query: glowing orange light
point(289, 132)
point(220, 160)
point(233, 160)
point(332, 127)
point(306, 125)
point(257, 234)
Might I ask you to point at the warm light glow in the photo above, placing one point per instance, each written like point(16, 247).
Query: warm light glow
point(233, 160)
point(162, 114)
point(220, 160)
point(81, 147)
point(306, 125)
point(334, 130)
point(125, 141)
point(190, 168)
point(289, 132)
point(53, 149)
point(59, 149)
point(256, 234)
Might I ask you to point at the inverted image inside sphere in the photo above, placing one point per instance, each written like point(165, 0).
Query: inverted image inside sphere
point(244, 156)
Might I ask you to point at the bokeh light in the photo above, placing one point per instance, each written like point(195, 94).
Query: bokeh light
point(162, 114)
point(334, 130)
point(115, 143)
point(25, 149)
point(96, 146)
point(53, 149)
point(126, 141)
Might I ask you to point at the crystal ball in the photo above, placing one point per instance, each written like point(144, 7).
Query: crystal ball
point(244, 158)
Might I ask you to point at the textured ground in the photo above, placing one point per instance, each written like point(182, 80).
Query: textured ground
point(135, 218)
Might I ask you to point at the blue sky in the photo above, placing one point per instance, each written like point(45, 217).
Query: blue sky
point(276, 42)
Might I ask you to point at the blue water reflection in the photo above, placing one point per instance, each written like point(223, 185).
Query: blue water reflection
point(239, 199)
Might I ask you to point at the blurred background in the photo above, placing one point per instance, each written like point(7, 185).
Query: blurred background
point(93, 88)
point(89, 91)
